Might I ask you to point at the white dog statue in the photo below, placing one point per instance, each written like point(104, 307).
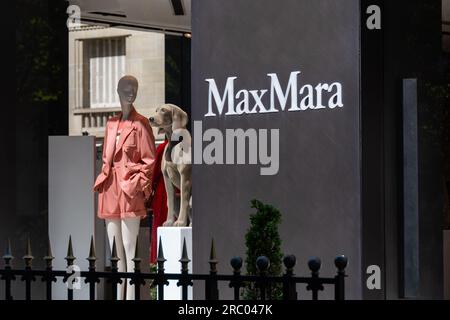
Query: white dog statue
point(176, 164)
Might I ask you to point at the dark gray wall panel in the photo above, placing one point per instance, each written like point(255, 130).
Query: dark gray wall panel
point(317, 188)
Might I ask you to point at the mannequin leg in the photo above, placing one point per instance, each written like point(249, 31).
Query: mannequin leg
point(113, 228)
point(130, 231)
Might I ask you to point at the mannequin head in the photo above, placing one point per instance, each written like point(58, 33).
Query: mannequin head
point(127, 90)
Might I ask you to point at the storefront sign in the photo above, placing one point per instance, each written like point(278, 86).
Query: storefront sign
point(250, 101)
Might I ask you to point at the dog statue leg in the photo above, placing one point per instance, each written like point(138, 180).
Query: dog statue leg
point(190, 210)
point(170, 190)
point(185, 184)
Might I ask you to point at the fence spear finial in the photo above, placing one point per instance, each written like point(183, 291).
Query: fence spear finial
point(212, 258)
point(28, 257)
point(8, 247)
point(70, 249)
point(212, 254)
point(184, 258)
point(184, 254)
point(136, 259)
point(49, 256)
point(114, 249)
point(92, 256)
point(8, 254)
point(136, 248)
point(70, 258)
point(28, 252)
point(49, 248)
point(160, 259)
point(114, 258)
point(160, 251)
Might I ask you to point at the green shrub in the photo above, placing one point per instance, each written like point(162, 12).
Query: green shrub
point(263, 239)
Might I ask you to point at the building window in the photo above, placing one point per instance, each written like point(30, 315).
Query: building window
point(105, 65)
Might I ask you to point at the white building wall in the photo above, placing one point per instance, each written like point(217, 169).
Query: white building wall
point(144, 60)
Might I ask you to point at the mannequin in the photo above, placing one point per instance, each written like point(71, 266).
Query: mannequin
point(124, 185)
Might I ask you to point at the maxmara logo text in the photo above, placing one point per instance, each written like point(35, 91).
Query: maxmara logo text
point(253, 146)
point(233, 100)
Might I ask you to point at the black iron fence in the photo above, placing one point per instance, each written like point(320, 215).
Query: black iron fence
point(262, 281)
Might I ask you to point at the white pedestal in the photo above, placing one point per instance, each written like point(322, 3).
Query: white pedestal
point(172, 244)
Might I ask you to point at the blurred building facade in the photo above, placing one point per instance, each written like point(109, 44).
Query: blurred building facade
point(98, 57)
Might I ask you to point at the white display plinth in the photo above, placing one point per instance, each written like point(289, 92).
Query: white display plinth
point(172, 245)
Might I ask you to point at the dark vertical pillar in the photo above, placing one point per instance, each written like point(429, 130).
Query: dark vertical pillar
point(35, 105)
point(372, 153)
point(412, 50)
point(7, 207)
point(178, 71)
point(411, 277)
point(406, 46)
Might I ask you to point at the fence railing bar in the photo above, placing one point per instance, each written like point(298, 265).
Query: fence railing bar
point(267, 286)
point(172, 276)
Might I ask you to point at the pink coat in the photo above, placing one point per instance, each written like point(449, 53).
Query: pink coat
point(132, 160)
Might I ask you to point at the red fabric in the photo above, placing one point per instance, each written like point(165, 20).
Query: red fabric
point(159, 202)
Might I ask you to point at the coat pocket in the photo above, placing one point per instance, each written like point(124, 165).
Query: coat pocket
point(131, 139)
point(130, 143)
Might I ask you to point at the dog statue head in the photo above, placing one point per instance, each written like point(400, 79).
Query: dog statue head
point(167, 118)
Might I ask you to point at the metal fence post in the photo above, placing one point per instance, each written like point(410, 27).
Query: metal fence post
point(262, 264)
point(137, 279)
point(184, 281)
point(8, 276)
point(160, 279)
point(289, 287)
point(212, 290)
point(28, 276)
point(48, 278)
point(314, 285)
point(92, 278)
point(236, 283)
point(339, 287)
point(114, 279)
point(70, 258)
